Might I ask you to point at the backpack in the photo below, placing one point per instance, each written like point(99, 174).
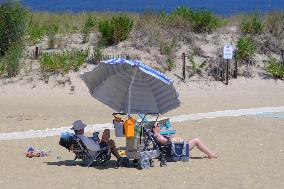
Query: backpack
point(66, 140)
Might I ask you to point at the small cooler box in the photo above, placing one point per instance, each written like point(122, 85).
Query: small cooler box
point(178, 151)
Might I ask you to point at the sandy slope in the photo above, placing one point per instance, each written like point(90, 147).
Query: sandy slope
point(251, 148)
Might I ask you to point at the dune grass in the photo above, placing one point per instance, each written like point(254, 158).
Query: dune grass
point(62, 62)
point(69, 22)
point(275, 68)
point(163, 31)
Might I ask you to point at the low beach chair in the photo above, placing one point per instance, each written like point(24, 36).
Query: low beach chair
point(74, 144)
point(165, 125)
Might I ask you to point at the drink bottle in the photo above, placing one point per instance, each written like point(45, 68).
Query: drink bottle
point(96, 136)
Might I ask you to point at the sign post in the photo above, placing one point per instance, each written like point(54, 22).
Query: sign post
point(236, 64)
point(228, 55)
point(183, 66)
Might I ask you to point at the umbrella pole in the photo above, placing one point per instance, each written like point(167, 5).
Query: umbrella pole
point(129, 90)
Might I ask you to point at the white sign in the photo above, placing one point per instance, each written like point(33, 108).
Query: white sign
point(228, 52)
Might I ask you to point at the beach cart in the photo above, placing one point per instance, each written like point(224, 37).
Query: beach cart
point(141, 145)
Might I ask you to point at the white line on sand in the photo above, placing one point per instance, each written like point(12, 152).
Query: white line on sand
point(98, 127)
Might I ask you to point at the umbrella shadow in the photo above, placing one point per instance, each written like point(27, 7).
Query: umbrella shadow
point(64, 163)
point(69, 163)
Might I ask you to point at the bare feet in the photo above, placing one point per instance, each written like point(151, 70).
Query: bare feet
point(214, 155)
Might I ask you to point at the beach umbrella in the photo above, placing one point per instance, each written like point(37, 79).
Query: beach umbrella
point(130, 86)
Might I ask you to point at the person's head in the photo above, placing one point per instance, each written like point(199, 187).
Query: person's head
point(78, 127)
point(106, 135)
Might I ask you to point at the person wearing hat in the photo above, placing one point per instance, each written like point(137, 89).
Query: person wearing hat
point(79, 126)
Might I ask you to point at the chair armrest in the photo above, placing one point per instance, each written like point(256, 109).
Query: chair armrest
point(168, 132)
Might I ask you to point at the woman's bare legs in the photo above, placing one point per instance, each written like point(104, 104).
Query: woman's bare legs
point(110, 143)
point(114, 150)
point(196, 142)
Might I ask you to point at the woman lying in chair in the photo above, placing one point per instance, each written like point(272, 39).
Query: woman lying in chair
point(196, 142)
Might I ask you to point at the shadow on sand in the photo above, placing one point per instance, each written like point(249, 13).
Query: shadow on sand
point(109, 164)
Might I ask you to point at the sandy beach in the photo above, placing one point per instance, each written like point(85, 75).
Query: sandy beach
point(43, 54)
point(251, 148)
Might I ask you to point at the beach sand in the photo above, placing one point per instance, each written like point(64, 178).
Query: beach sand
point(250, 148)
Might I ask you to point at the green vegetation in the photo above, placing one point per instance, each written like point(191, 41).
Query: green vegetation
point(13, 27)
point(13, 24)
point(252, 25)
point(72, 23)
point(274, 23)
point(98, 55)
point(12, 59)
point(196, 68)
point(168, 48)
point(62, 63)
point(89, 26)
point(36, 33)
point(246, 49)
point(2, 67)
point(115, 30)
point(170, 64)
point(52, 30)
point(180, 18)
point(275, 68)
point(10, 63)
point(183, 12)
point(66, 22)
point(202, 21)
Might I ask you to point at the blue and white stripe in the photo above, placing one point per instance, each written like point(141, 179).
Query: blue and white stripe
point(143, 67)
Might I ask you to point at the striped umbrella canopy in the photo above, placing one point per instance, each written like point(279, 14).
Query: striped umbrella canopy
point(130, 86)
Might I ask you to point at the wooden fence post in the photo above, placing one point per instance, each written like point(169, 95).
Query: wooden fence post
point(36, 53)
point(183, 66)
point(282, 56)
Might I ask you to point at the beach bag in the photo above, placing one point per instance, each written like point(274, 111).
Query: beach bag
point(178, 151)
point(144, 161)
point(66, 139)
point(118, 128)
point(133, 143)
point(129, 127)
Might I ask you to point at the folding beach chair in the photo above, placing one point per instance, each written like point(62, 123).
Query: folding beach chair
point(75, 144)
point(165, 126)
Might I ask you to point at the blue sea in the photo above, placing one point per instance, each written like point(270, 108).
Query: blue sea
point(221, 7)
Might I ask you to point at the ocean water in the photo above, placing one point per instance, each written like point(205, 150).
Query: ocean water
point(221, 7)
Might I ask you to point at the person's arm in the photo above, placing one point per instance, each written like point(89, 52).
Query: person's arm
point(161, 138)
point(89, 143)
